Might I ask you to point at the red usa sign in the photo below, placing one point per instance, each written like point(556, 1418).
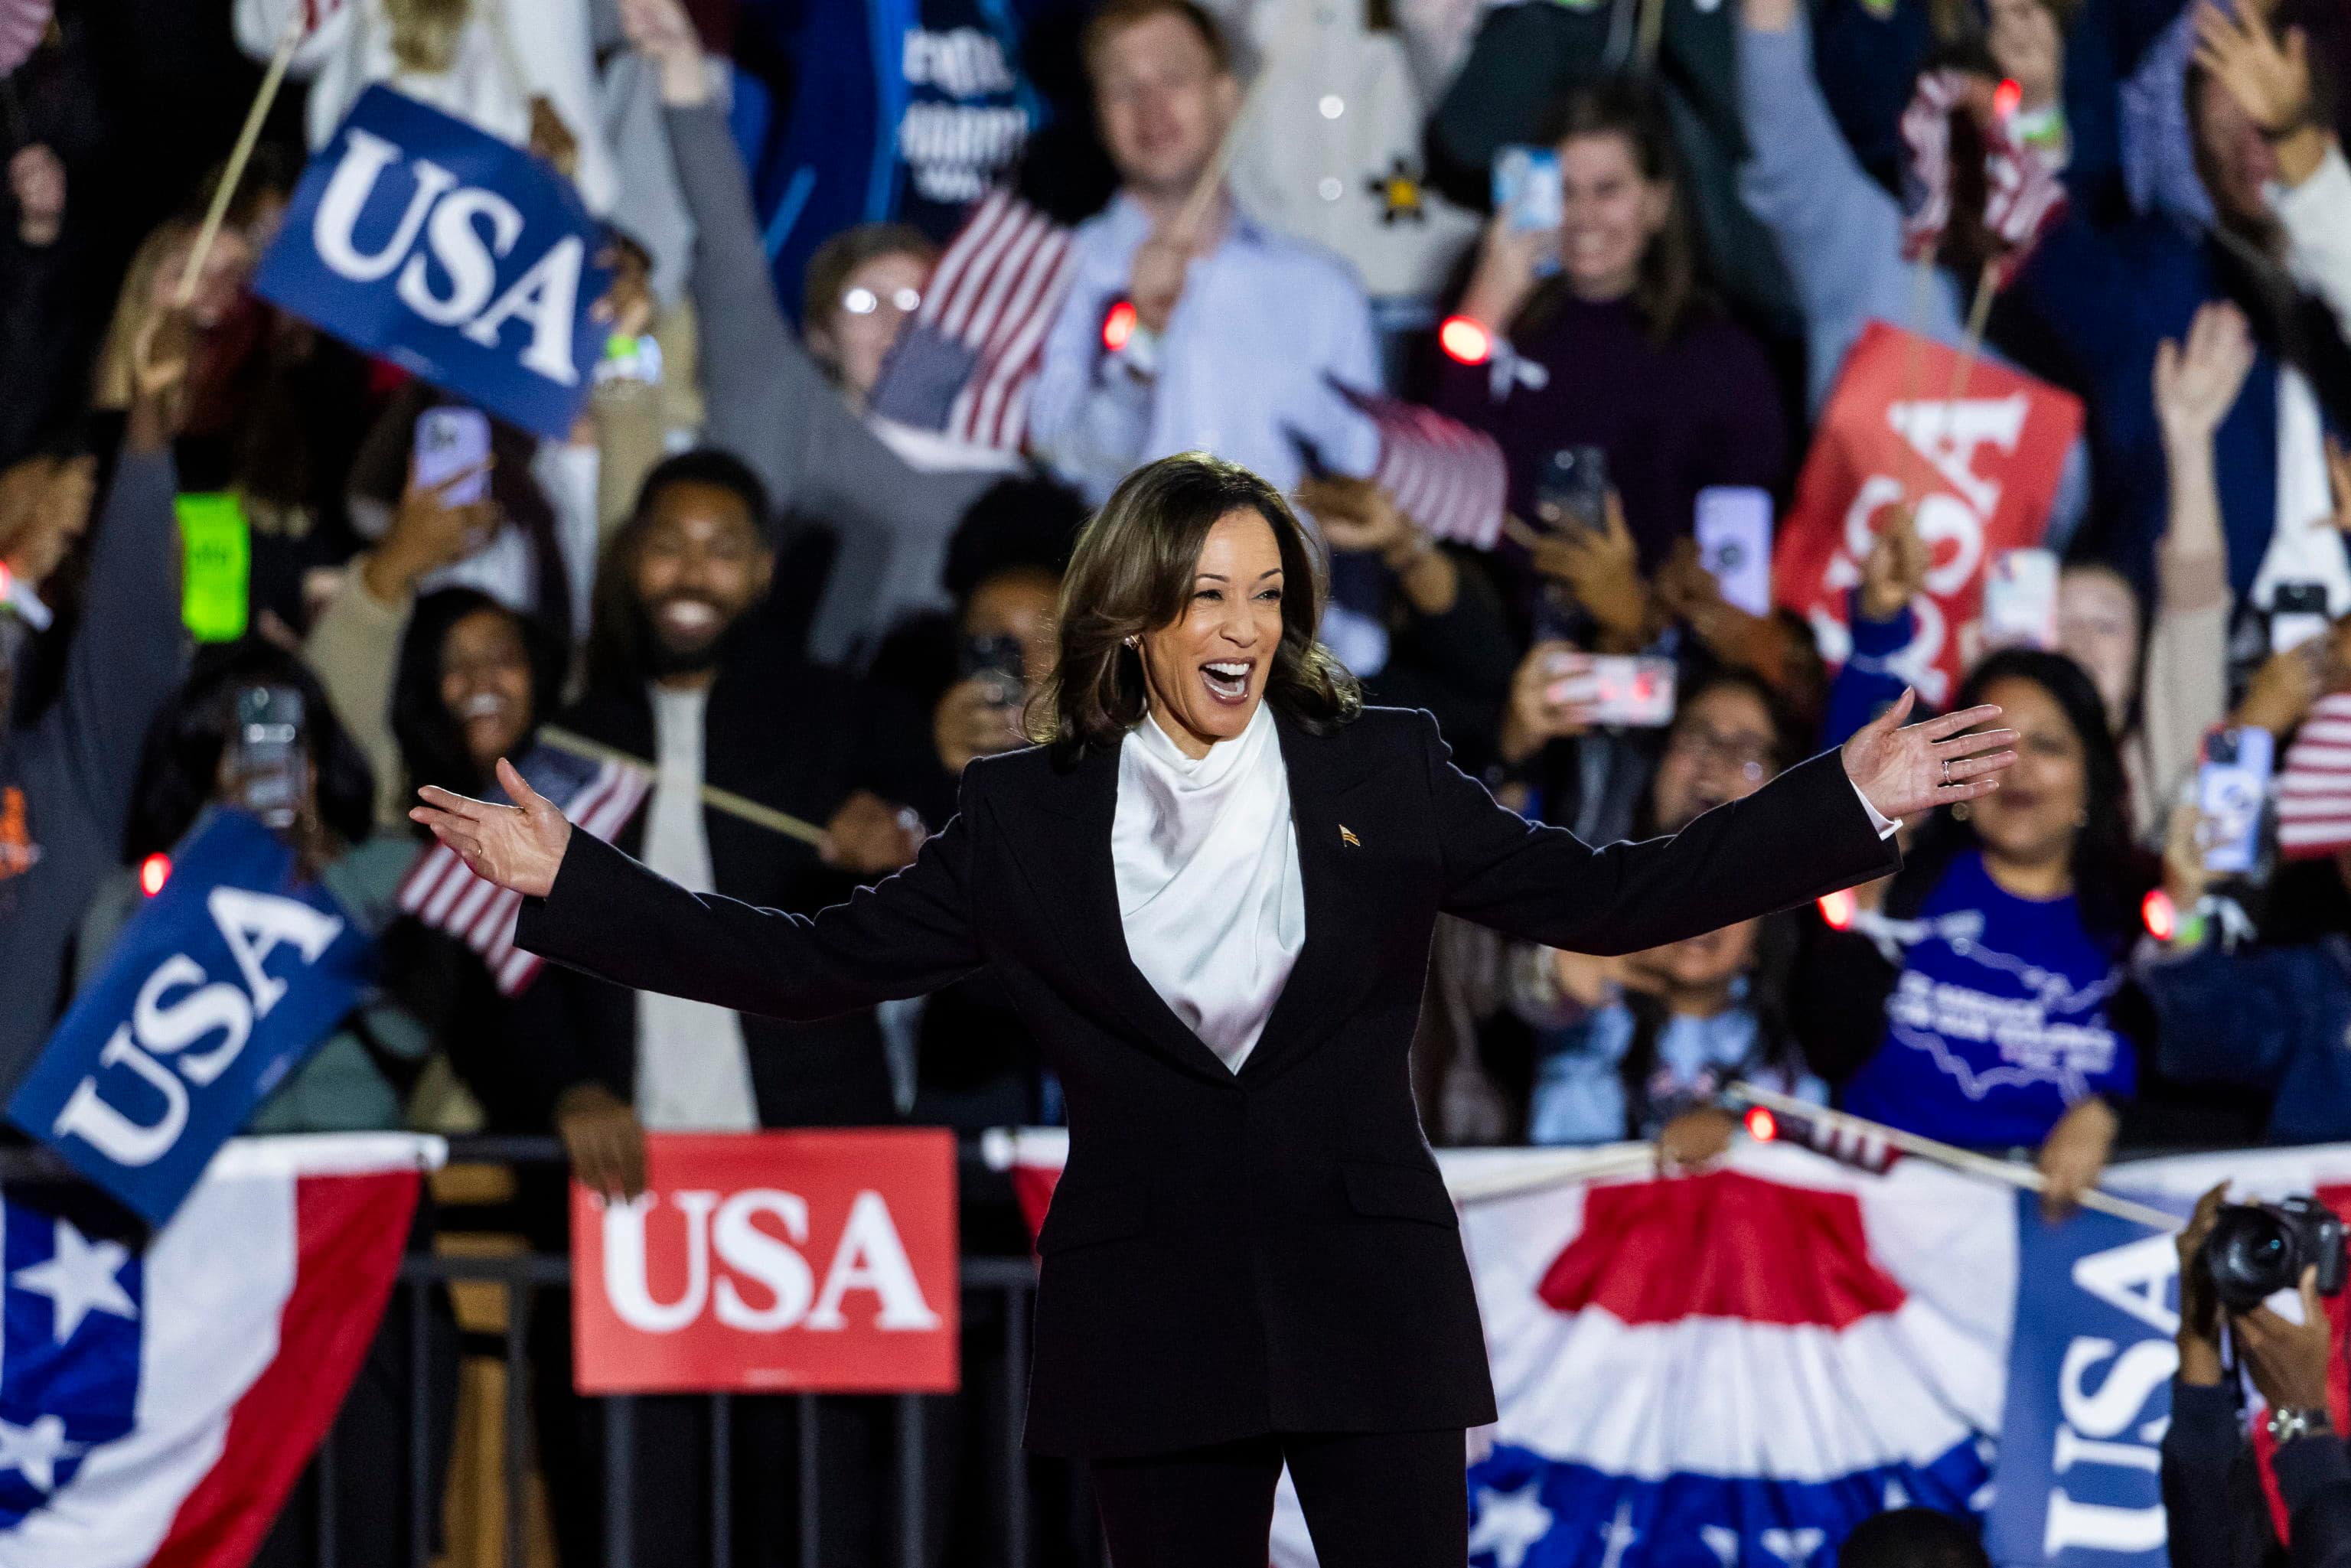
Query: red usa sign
point(810, 1261)
point(1981, 468)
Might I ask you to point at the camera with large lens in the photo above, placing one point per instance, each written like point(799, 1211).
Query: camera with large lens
point(2257, 1249)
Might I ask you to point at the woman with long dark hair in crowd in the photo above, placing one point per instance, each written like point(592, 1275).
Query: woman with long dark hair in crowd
point(1983, 1003)
point(1211, 892)
point(1688, 399)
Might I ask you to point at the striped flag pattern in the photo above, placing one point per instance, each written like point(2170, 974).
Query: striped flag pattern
point(598, 798)
point(23, 25)
point(1449, 478)
point(965, 364)
point(2313, 812)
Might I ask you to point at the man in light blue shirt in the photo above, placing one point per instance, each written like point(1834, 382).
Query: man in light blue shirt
point(1236, 329)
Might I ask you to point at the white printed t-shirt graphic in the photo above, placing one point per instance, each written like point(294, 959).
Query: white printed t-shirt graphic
point(693, 1072)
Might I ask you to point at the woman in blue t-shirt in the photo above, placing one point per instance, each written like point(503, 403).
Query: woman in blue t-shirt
point(1978, 1004)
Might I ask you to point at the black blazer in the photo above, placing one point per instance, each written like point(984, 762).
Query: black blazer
point(1229, 1254)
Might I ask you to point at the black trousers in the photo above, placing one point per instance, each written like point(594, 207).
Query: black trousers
point(1372, 1499)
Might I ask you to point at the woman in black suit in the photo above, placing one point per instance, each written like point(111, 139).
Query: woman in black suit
point(1210, 894)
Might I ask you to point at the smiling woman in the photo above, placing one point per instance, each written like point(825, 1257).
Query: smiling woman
point(1211, 895)
point(1194, 592)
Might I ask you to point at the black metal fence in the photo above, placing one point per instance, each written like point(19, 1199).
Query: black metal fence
point(976, 1499)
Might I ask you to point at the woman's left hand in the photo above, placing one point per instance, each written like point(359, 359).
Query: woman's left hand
point(2073, 1156)
point(1904, 769)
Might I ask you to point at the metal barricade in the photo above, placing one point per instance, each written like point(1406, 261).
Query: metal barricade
point(925, 1532)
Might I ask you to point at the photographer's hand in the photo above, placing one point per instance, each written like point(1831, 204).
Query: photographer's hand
point(2288, 1360)
point(2200, 1309)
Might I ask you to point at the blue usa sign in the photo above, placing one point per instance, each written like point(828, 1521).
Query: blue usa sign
point(218, 988)
point(472, 262)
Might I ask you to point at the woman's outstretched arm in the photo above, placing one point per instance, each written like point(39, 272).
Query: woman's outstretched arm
point(592, 907)
point(1806, 833)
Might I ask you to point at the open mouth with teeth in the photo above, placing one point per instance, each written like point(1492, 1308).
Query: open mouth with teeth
point(1228, 680)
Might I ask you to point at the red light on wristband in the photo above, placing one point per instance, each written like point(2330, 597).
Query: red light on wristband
point(1838, 908)
point(1118, 326)
point(1464, 340)
point(1761, 1125)
point(153, 873)
point(2006, 98)
point(2162, 919)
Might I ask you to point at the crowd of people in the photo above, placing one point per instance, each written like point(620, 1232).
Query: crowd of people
point(735, 569)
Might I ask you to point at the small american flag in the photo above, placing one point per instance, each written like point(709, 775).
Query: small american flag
point(2314, 810)
point(598, 798)
point(23, 25)
point(964, 365)
point(1449, 478)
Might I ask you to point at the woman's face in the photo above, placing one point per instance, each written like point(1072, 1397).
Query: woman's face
point(874, 304)
point(2041, 801)
point(1206, 671)
point(1720, 748)
point(485, 683)
point(2097, 628)
point(1610, 212)
point(1698, 963)
point(2025, 43)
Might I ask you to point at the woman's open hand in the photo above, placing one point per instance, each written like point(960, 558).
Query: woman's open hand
point(519, 846)
point(1904, 769)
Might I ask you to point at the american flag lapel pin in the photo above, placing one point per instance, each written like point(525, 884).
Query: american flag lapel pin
point(1347, 837)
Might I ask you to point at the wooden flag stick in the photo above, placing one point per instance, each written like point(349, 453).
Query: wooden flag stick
point(724, 800)
point(1971, 344)
point(271, 80)
point(1194, 211)
point(1958, 1159)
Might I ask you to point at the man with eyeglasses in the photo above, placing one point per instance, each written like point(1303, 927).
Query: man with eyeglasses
point(1192, 327)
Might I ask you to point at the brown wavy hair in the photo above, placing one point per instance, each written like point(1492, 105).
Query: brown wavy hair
point(1666, 289)
point(1132, 573)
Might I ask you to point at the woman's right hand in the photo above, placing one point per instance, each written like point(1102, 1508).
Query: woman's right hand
point(519, 846)
point(1508, 263)
point(428, 532)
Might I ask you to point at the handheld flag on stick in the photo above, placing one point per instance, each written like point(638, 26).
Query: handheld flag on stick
point(1449, 478)
point(964, 365)
point(2024, 1176)
point(271, 80)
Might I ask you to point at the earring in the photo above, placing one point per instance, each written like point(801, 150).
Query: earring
point(1959, 813)
point(1134, 642)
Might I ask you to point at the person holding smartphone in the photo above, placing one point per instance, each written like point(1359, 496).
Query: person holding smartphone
point(1602, 333)
point(2259, 1014)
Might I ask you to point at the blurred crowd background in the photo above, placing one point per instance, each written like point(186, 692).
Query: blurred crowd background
point(736, 570)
